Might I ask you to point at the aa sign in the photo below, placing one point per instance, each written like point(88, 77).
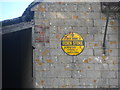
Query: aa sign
point(72, 44)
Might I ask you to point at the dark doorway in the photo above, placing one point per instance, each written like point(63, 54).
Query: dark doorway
point(17, 59)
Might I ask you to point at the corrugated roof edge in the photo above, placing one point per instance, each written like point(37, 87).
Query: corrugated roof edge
point(27, 16)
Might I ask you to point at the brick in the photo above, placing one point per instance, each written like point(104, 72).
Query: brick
point(113, 23)
point(61, 52)
point(113, 67)
point(45, 66)
point(108, 74)
point(98, 52)
point(99, 23)
point(83, 67)
point(102, 82)
point(74, 23)
point(113, 52)
point(87, 37)
point(112, 60)
point(94, 44)
point(44, 52)
point(54, 58)
point(85, 7)
point(101, 67)
point(94, 30)
point(70, 8)
point(104, 16)
point(79, 59)
point(51, 7)
point(65, 59)
point(93, 74)
point(96, 8)
point(38, 15)
point(80, 29)
point(54, 52)
point(49, 74)
point(49, 15)
point(113, 37)
point(112, 44)
point(114, 82)
point(87, 82)
point(56, 22)
point(53, 44)
point(89, 66)
point(88, 22)
point(64, 15)
point(71, 81)
point(87, 52)
point(79, 74)
point(94, 15)
point(44, 22)
point(53, 30)
point(61, 82)
point(49, 82)
point(64, 74)
point(110, 30)
point(99, 37)
point(53, 37)
point(64, 29)
point(91, 60)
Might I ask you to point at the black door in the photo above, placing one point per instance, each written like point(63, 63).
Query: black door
point(17, 59)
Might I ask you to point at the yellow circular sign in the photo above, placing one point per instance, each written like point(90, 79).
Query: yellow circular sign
point(72, 44)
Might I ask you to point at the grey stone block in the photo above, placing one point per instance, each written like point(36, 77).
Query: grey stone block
point(94, 44)
point(84, 7)
point(61, 82)
point(98, 23)
point(113, 23)
point(112, 44)
point(113, 52)
point(54, 52)
point(110, 30)
point(98, 52)
point(53, 37)
point(96, 8)
point(56, 22)
point(65, 59)
point(93, 74)
point(79, 74)
point(44, 22)
point(94, 30)
point(64, 30)
point(74, 23)
point(53, 44)
point(87, 52)
point(64, 74)
point(53, 30)
point(80, 30)
point(71, 81)
point(87, 82)
point(114, 82)
point(99, 37)
point(113, 37)
point(108, 74)
point(102, 82)
point(113, 67)
point(80, 59)
point(101, 67)
point(87, 37)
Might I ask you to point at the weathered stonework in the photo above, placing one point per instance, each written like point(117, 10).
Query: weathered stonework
point(91, 69)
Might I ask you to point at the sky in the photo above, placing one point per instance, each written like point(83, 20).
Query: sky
point(12, 9)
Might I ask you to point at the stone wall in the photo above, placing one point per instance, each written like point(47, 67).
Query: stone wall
point(91, 69)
